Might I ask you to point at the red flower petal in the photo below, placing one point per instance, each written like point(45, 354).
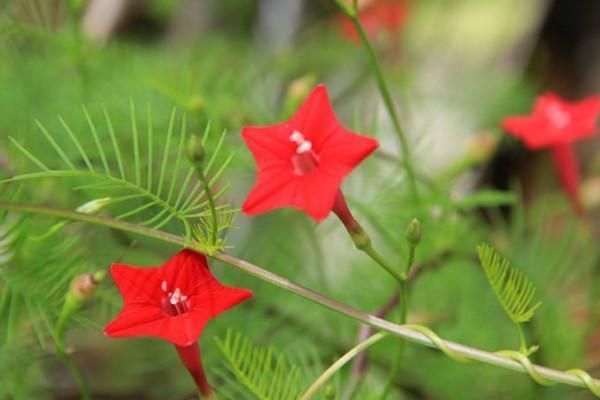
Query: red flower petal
point(526, 129)
point(173, 302)
point(585, 115)
point(303, 178)
point(137, 285)
point(137, 320)
point(270, 145)
point(272, 190)
point(343, 150)
point(315, 118)
point(555, 121)
point(187, 271)
point(216, 299)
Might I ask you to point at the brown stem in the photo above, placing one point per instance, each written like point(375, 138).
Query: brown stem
point(190, 356)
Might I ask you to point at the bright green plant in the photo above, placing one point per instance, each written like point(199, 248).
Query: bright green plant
point(155, 187)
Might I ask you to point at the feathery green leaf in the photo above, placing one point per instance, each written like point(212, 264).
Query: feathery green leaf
point(138, 196)
point(262, 371)
point(513, 289)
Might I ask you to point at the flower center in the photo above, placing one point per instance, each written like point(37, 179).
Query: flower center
point(305, 160)
point(557, 116)
point(173, 303)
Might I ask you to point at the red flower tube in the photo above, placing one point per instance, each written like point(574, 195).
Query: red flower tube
point(173, 302)
point(556, 124)
point(301, 162)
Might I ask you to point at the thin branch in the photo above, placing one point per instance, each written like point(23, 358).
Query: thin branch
point(343, 360)
point(412, 333)
point(360, 363)
point(385, 95)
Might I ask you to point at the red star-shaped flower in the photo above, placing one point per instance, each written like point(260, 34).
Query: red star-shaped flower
point(301, 163)
point(556, 124)
point(555, 121)
point(173, 302)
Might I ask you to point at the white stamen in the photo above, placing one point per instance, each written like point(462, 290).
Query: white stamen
point(304, 147)
point(297, 137)
point(163, 286)
point(175, 297)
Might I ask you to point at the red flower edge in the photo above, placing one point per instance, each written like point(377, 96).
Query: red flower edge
point(173, 302)
point(555, 121)
point(302, 162)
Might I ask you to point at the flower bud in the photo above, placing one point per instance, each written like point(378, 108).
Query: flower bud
point(297, 92)
point(93, 206)
point(330, 392)
point(301, 87)
point(195, 150)
point(413, 232)
point(196, 102)
point(84, 286)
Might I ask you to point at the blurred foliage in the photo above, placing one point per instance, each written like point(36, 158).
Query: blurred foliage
point(230, 82)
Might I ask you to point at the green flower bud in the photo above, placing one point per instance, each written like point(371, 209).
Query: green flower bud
point(99, 276)
point(413, 233)
point(297, 92)
point(195, 150)
point(330, 392)
point(196, 102)
point(82, 289)
point(93, 206)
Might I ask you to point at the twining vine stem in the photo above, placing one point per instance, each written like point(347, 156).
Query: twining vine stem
point(412, 333)
point(343, 360)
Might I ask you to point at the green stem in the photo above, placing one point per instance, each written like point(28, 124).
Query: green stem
point(386, 96)
point(346, 9)
point(411, 259)
point(406, 332)
point(401, 343)
point(401, 321)
point(522, 341)
point(59, 329)
point(360, 237)
point(80, 381)
point(343, 360)
point(211, 203)
point(378, 258)
point(84, 390)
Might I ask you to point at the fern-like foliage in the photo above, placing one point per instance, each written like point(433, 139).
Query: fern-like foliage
point(33, 280)
point(513, 289)
point(265, 374)
point(157, 191)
